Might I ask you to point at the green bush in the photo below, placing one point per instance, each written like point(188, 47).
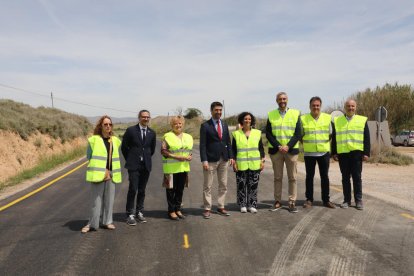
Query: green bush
point(26, 120)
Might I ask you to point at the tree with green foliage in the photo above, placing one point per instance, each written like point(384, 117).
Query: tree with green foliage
point(397, 99)
point(192, 112)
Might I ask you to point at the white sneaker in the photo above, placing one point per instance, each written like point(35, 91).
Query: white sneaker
point(141, 218)
point(243, 209)
point(252, 210)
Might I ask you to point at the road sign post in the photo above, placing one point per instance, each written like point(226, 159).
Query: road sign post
point(380, 116)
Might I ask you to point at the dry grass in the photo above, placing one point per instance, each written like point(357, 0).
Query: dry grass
point(45, 164)
point(35, 140)
point(389, 155)
point(26, 120)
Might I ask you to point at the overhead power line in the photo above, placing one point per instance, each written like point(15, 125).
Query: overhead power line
point(65, 100)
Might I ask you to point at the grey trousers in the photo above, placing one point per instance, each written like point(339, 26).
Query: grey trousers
point(102, 203)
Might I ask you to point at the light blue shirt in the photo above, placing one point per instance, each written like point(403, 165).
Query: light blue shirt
point(283, 113)
point(215, 124)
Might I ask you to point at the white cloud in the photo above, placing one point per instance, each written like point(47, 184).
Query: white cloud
point(190, 54)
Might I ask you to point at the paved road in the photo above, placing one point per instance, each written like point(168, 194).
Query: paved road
point(41, 235)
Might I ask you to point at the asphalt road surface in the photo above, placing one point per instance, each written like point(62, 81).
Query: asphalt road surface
point(41, 234)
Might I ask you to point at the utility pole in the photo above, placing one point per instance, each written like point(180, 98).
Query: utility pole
point(51, 96)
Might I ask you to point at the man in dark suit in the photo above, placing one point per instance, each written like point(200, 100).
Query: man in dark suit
point(215, 153)
point(138, 146)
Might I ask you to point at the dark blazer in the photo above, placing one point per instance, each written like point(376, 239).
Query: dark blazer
point(211, 147)
point(133, 149)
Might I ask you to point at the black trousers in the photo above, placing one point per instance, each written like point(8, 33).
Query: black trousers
point(323, 164)
point(137, 183)
point(247, 184)
point(175, 195)
point(351, 166)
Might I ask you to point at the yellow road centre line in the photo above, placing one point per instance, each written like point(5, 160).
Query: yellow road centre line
point(186, 244)
point(407, 216)
point(41, 188)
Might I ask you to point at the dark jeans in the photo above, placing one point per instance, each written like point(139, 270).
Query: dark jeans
point(137, 183)
point(247, 184)
point(175, 195)
point(323, 164)
point(351, 165)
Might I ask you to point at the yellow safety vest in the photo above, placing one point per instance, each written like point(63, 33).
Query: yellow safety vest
point(316, 138)
point(248, 154)
point(350, 135)
point(177, 146)
point(97, 164)
point(284, 128)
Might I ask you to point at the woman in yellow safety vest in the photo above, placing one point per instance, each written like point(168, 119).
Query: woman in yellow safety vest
point(104, 170)
point(250, 157)
point(176, 151)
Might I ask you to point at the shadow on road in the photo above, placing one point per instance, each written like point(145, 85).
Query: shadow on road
point(75, 225)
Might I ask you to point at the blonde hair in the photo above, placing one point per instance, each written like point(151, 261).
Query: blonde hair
point(177, 118)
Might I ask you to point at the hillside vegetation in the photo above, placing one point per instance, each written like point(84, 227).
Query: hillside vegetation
point(34, 140)
point(26, 120)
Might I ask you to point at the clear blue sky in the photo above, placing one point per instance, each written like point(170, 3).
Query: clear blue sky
point(162, 55)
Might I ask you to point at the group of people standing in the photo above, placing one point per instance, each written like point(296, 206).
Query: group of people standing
point(346, 140)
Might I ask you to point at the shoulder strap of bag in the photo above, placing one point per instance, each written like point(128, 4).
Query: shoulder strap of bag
point(110, 152)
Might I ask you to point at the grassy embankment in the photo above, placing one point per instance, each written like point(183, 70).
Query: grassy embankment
point(58, 127)
point(44, 165)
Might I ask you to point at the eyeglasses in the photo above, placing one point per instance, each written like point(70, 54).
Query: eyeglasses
point(106, 124)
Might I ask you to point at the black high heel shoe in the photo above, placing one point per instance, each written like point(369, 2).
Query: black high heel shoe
point(180, 215)
point(173, 216)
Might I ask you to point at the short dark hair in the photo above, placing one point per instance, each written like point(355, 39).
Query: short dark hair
point(214, 104)
point(241, 116)
point(142, 111)
point(316, 98)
